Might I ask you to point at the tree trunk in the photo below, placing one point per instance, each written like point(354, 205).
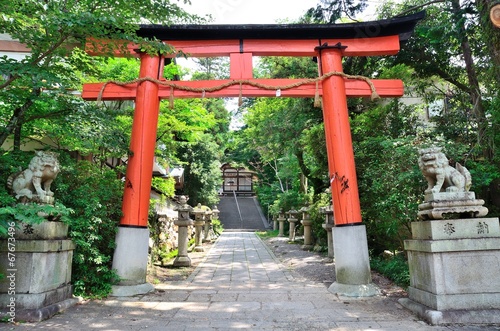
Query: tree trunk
point(492, 34)
point(303, 183)
point(475, 92)
point(17, 135)
point(318, 184)
point(16, 120)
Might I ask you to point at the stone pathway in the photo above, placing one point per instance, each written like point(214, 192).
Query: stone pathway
point(240, 285)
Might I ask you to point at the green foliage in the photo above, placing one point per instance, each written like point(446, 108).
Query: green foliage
point(212, 68)
point(33, 213)
point(318, 219)
point(164, 185)
point(217, 226)
point(202, 173)
point(330, 11)
point(95, 194)
point(40, 85)
point(395, 268)
point(389, 180)
point(165, 257)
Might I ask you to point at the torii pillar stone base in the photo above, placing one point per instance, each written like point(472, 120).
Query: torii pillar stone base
point(130, 261)
point(352, 264)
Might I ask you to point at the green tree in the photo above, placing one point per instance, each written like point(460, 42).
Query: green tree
point(389, 180)
point(453, 56)
point(328, 11)
point(55, 31)
point(202, 170)
point(451, 44)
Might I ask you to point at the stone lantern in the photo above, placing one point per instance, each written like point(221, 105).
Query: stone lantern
point(328, 226)
point(275, 222)
point(199, 221)
point(215, 216)
point(183, 222)
point(281, 221)
point(292, 222)
point(306, 222)
point(215, 213)
point(208, 226)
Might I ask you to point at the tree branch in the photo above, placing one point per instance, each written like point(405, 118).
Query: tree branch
point(37, 60)
point(419, 6)
point(17, 116)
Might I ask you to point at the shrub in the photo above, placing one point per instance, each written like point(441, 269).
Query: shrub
point(95, 194)
point(395, 268)
point(217, 227)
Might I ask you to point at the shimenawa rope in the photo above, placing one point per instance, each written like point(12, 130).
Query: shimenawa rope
point(203, 90)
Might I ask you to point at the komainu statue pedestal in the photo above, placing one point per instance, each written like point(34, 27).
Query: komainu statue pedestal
point(454, 268)
point(38, 272)
point(438, 205)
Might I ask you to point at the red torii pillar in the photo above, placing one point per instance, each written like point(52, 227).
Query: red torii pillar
point(142, 146)
point(341, 167)
point(133, 234)
point(352, 265)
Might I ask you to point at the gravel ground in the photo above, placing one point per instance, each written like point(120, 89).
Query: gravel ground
point(317, 267)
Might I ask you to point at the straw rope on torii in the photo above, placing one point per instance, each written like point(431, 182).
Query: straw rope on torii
point(203, 90)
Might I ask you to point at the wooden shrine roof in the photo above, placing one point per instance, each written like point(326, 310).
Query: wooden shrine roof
point(402, 26)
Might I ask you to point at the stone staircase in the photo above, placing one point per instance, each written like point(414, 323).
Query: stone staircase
point(251, 219)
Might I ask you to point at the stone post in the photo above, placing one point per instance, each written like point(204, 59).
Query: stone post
point(281, 221)
point(183, 222)
point(208, 226)
point(328, 226)
point(199, 221)
point(306, 222)
point(275, 222)
point(292, 222)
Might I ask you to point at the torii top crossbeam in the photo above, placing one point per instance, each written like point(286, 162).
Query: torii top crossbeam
point(242, 42)
point(329, 43)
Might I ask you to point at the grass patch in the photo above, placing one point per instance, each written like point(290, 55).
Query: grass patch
point(267, 234)
point(168, 256)
point(396, 269)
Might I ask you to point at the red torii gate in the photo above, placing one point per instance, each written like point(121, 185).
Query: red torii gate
point(329, 43)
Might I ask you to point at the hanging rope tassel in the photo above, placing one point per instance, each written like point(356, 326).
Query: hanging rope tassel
point(240, 99)
point(375, 95)
point(171, 98)
point(317, 100)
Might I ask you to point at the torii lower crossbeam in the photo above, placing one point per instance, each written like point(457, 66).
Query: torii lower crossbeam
point(353, 88)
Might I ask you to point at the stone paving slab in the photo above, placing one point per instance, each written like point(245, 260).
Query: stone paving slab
point(240, 285)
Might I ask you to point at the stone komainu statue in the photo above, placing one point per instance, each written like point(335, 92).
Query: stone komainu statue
point(33, 184)
point(440, 176)
point(447, 194)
